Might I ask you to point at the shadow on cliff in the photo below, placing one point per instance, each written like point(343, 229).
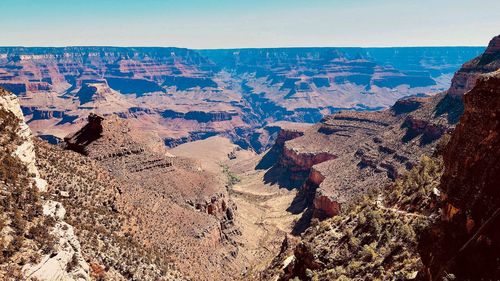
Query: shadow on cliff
point(276, 174)
point(269, 159)
point(303, 223)
point(282, 177)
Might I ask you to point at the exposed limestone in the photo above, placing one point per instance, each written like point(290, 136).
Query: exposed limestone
point(68, 262)
point(64, 261)
point(25, 151)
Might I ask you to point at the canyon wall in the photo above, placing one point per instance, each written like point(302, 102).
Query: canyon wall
point(194, 94)
point(466, 242)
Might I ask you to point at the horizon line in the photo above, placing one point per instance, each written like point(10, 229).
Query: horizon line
point(239, 48)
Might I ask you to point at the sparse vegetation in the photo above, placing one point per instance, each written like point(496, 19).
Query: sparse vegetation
point(414, 191)
point(91, 208)
point(232, 178)
point(375, 240)
point(23, 234)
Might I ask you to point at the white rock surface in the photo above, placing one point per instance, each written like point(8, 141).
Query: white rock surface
point(54, 209)
point(26, 150)
point(66, 262)
point(55, 268)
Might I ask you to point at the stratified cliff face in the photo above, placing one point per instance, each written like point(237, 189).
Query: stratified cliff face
point(59, 87)
point(397, 231)
point(348, 153)
point(467, 242)
point(465, 79)
point(187, 95)
point(320, 81)
point(129, 70)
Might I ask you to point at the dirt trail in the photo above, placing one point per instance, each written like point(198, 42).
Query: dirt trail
point(380, 204)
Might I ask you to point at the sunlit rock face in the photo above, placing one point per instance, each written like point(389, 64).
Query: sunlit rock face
point(465, 79)
point(66, 247)
point(187, 95)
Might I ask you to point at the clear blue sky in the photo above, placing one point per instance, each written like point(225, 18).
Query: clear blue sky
point(249, 23)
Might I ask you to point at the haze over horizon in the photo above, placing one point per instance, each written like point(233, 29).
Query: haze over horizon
point(225, 24)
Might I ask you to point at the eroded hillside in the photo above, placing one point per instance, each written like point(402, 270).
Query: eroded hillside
point(436, 221)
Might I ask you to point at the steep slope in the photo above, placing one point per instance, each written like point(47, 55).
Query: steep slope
point(375, 238)
point(36, 242)
point(91, 196)
point(436, 221)
point(466, 242)
point(350, 152)
point(176, 207)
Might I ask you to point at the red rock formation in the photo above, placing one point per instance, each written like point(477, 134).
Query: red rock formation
point(302, 162)
point(426, 128)
point(175, 208)
point(325, 207)
point(286, 134)
point(465, 79)
point(467, 242)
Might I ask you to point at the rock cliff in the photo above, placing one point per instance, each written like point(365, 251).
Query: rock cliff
point(466, 243)
point(438, 219)
point(465, 79)
point(348, 153)
point(160, 192)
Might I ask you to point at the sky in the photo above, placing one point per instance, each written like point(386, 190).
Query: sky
point(212, 24)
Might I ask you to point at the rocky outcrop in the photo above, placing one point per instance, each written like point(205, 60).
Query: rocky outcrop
point(89, 133)
point(466, 243)
point(286, 134)
point(25, 151)
point(174, 208)
point(428, 130)
point(465, 79)
point(67, 263)
point(325, 207)
point(406, 105)
point(349, 153)
point(64, 260)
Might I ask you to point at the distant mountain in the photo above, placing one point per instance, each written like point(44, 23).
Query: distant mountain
point(185, 95)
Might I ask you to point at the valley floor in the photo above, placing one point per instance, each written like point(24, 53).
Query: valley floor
point(263, 214)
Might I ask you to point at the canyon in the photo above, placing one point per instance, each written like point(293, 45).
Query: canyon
point(185, 95)
point(249, 164)
point(429, 189)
